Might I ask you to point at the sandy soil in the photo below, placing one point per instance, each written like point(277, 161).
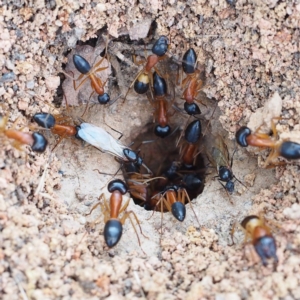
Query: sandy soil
point(50, 248)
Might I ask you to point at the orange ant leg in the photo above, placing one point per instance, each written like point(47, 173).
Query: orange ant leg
point(185, 194)
point(131, 85)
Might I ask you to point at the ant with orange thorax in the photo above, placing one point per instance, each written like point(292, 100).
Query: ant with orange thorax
point(113, 228)
point(35, 140)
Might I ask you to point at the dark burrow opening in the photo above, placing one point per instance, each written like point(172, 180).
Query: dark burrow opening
point(165, 171)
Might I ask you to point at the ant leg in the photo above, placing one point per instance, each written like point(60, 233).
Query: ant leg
point(189, 200)
point(87, 104)
point(81, 83)
point(115, 130)
point(225, 190)
point(158, 73)
point(100, 69)
point(131, 85)
point(96, 205)
point(182, 132)
point(127, 215)
point(210, 119)
point(60, 139)
point(137, 221)
point(232, 233)
point(186, 81)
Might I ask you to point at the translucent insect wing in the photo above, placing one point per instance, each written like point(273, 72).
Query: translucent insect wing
point(101, 139)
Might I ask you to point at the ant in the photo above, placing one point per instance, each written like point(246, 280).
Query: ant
point(262, 239)
point(161, 106)
point(143, 79)
point(48, 121)
point(173, 198)
point(83, 67)
point(189, 151)
point(113, 223)
point(96, 136)
point(102, 140)
point(286, 149)
point(35, 140)
point(218, 156)
point(192, 83)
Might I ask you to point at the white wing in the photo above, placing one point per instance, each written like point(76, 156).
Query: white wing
point(101, 139)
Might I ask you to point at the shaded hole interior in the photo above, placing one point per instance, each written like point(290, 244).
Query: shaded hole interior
point(162, 157)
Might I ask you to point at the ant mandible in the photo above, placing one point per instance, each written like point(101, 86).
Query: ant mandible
point(35, 140)
point(286, 149)
point(113, 223)
point(144, 78)
point(262, 239)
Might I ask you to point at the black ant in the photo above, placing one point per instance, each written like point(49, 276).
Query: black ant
point(218, 156)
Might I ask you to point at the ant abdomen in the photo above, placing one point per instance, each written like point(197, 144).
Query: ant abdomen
point(178, 211)
point(40, 142)
point(81, 64)
point(161, 131)
point(290, 150)
point(159, 85)
point(160, 47)
point(189, 61)
point(193, 132)
point(191, 108)
point(266, 248)
point(112, 232)
point(141, 85)
point(45, 120)
point(103, 99)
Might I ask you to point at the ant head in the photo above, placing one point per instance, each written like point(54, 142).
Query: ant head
point(251, 221)
point(160, 47)
point(103, 99)
point(193, 132)
point(225, 174)
point(45, 120)
point(178, 211)
point(189, 61)
point(141, 85)
point(40, 143)
point(192, 109)
point(132, 156)
point(117, 185)
point(159, 85)
point(77, 135)
point(191, 181)
point(81, 64)
point(112, 232)
point(266, 248)
point(290, 150)
point(241, 136)
point(162, 131)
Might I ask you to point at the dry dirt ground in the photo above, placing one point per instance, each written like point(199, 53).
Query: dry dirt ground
point(49, 248)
